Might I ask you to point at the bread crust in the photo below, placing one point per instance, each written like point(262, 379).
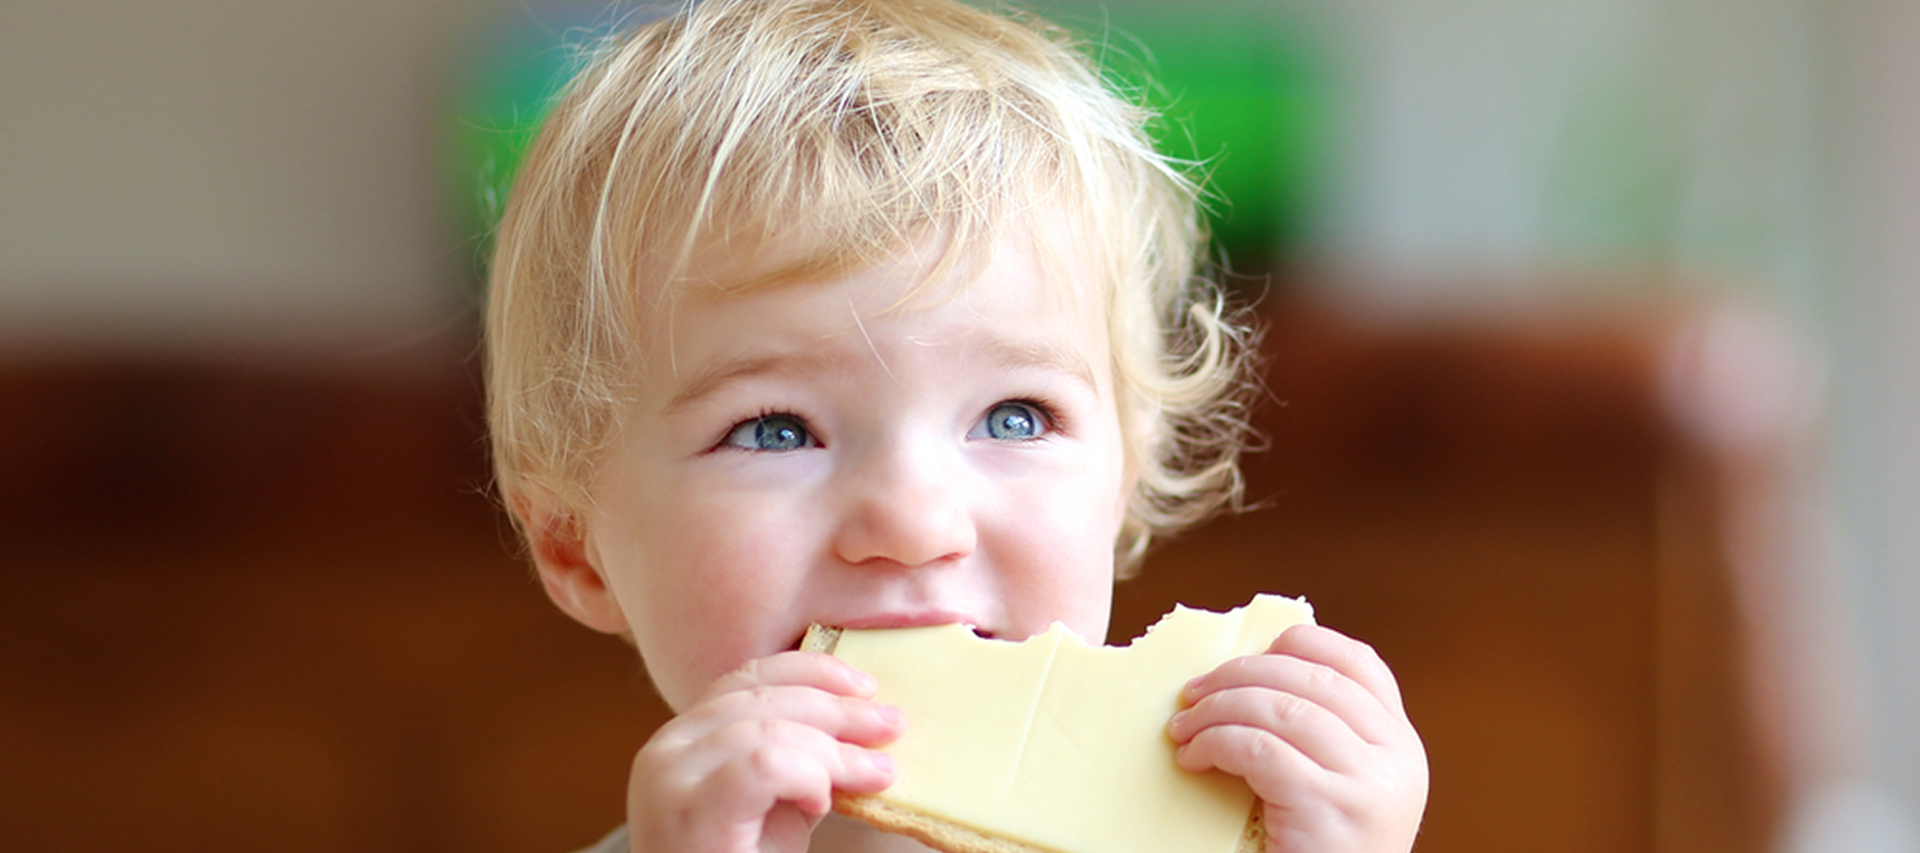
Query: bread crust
point(948, 836)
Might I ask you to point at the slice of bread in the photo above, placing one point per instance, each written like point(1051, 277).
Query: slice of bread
point(963, 703)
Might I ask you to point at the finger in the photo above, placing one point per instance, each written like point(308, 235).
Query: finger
point(787, 828)
point(728, 786)
point(1349, 656)
point(1278, 772)
point(808, 669)
point(861, 721)
point(1308, 728)
point(762, 763)
point(766, 800)
point(855, 720)
point(1355, 706)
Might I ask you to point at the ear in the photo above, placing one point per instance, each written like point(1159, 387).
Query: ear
point(568, 564)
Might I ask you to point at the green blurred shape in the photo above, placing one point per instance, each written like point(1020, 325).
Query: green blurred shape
point(504, 80)
point(1241, 89)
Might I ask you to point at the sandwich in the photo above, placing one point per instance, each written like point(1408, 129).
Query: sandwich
point(1049, 745)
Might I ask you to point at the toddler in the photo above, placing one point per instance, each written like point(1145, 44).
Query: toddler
point(879, 313)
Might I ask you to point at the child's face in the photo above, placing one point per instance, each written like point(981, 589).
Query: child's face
point(812, 453)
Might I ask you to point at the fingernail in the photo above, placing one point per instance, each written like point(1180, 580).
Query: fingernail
point(1173, 725)
point(890, 715)
point(1193, 685)
point(882, 762)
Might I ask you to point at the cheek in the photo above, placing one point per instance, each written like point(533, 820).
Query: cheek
point(1065, 539)
point(704, 592)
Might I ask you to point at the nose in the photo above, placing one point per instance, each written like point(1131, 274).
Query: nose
point(906, 507)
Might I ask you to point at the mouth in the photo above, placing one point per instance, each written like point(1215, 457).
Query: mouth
point(888, 621)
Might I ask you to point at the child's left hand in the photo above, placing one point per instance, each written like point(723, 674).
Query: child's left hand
point(1317, 729)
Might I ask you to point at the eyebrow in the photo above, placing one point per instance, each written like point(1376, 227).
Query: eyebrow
point(1000, 353)
point(1017, 355)
point(727, 373)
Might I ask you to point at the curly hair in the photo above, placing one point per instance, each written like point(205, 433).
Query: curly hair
point(854, 129)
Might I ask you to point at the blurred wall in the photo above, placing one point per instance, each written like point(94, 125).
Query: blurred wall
point(1489, 142)
point(1875, 336)
point(242, 173)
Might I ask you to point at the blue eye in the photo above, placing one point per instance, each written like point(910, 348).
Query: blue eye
point(771, 433)
point(1016, 422)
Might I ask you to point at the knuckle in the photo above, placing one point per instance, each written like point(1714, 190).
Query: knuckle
point(1363, 654)
point(761, 694)
point(1261, 747)
point(741, 677)
point(765, 760)
point(1321, 677)
point(747, 736)
point(731, 705)
point(768, 731)
point(1288, 708)
point(752, 670)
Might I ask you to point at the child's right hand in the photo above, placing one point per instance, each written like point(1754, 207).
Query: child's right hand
point(752, 765)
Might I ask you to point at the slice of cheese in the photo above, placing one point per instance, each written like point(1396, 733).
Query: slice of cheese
point(1060, 746)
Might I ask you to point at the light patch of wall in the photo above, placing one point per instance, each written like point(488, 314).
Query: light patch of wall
point(225, 172)
point(1494, 148)
point(1877, 333)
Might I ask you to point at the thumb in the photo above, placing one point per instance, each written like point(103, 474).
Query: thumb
point(786, 830)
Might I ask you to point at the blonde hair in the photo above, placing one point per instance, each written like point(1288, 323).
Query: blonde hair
point(875, 122)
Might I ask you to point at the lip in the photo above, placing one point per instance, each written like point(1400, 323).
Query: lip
point(916, 619)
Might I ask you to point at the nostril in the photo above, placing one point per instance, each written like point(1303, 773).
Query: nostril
point(905, 533)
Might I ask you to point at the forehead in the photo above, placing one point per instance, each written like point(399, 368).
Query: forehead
point(1036, 262)
point(1025, 296)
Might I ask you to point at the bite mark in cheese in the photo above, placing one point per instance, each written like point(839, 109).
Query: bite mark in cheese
point(1059, 745)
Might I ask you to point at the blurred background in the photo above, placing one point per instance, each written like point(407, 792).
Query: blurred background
point(1594, 403)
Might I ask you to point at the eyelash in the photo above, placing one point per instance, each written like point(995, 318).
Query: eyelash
point(725, 444)
point(1050, 418)
point(1049, 413)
